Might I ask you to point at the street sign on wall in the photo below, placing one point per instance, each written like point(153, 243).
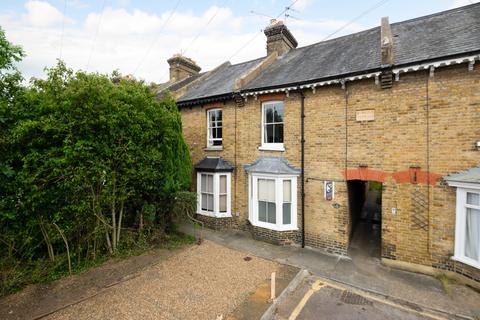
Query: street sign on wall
point(329, 190)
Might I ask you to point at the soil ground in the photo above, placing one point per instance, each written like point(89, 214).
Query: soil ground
point(197, 282)
point(255, 305)
point(37, 300)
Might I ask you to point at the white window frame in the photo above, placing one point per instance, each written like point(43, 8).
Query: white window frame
point(210, 144)
point(216, 195)
point(460, 222)
point(253, 202)
point(272, 146)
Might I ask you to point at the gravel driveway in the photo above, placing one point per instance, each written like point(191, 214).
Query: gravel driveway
point(199, 282)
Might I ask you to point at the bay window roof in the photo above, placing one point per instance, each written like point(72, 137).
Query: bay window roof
point(214, 164)
point(272, 165)
point(471, 175)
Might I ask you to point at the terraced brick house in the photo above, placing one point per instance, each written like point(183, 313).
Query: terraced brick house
point(376, 132)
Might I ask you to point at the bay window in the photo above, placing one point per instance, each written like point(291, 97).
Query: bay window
point(213, 189)
point(273, 201)
point(467, 229)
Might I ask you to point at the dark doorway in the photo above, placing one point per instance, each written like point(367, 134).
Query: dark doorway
point(365, 202)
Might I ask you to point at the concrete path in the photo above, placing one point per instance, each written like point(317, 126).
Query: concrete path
point(369, 275)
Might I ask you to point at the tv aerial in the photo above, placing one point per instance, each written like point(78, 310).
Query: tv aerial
point(286, 14)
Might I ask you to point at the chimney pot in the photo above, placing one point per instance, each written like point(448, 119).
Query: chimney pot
point(182, 67)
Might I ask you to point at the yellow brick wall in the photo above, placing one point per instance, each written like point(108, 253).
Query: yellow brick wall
point(395, 141)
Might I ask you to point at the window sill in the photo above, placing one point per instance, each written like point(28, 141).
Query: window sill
point(274, 227)
point(466, 261)
point(279, 148)
point(215, 214)
point(219, 148)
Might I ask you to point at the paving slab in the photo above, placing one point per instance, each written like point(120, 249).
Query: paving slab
point(337, 304)
point(367, 274)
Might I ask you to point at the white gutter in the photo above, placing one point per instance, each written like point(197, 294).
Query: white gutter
point(396, 71)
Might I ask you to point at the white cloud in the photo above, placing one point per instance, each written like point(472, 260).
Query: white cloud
point(461, 3)
point(302, 4)
point(43, 14)
point(78, 4)
point(123, 3)
point(125, 35)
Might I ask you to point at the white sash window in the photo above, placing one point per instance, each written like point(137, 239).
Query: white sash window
point(273, 201)
point(272, 125)
point(213, 193)
point(214, 128)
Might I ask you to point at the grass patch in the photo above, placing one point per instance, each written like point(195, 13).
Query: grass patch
point(16, 275)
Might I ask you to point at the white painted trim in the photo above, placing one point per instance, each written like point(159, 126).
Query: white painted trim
point(257, 93)
point(213, 148)
point(435, 65)
point(253, 202)
point(467, 185)
point(216, 195)
point(467, 261)
point(272, 147)
point(215, 214)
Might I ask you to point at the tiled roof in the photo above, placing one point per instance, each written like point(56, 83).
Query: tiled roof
point(162, 88)
point(220, 82)
point(450, 33)
point(444, 34)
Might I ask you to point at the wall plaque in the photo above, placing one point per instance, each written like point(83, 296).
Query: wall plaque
point(365, 115)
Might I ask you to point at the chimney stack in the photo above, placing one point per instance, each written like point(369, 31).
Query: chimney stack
point(279, 38)
point(182, 67)
point(386, 42)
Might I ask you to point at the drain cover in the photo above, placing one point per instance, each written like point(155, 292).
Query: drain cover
point(353, 298)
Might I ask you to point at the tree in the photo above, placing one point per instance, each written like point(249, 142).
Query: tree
point(10, 87)
point(89, 154)
point(10, 80)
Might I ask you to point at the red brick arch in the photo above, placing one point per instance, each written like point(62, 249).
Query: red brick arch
point(413, 175)
point(365, 174)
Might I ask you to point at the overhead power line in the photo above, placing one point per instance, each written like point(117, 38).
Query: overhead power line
point(258, 33)
point(372, 8)
point(204, 27)
point(95, 36)
point(156, 38)
point(198, 34)
point(260, 14)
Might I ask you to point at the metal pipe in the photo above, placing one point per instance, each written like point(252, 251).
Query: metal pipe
point(302, 143)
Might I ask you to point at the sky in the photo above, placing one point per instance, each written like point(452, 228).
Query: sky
point(138, 36)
